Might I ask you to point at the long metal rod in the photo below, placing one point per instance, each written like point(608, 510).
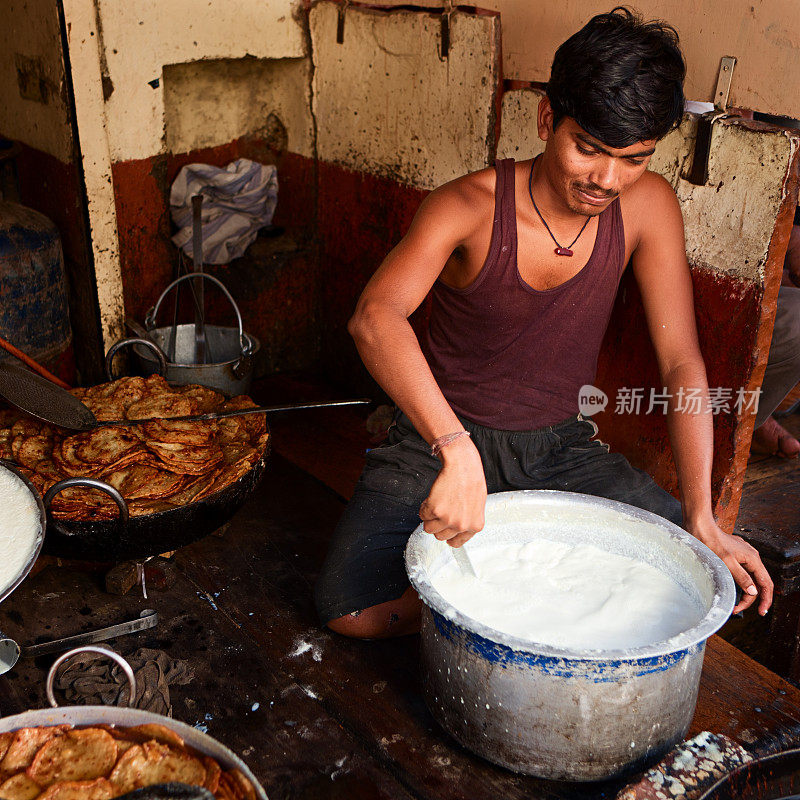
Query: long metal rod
point(238, 413)
point(197, 254)
point(147, 619)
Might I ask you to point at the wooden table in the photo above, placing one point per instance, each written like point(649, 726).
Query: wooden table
point(316, 715)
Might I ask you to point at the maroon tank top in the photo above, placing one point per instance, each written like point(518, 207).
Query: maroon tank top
point(508, 356)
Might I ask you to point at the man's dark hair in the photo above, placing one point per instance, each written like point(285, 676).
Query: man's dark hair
point(619, 78)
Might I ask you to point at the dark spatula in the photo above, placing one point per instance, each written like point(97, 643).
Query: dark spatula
point(50, 403)
point(43, 399)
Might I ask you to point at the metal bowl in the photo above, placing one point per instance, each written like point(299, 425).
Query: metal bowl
point(124, 717)
point(6, 591)
point(9, 649)
point(556, 712)
point(128, 717)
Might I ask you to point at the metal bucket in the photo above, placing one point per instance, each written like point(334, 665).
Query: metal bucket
point(231, 349)
point(555, 712)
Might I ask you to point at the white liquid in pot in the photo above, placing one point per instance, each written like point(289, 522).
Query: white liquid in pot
point(573, 596)
point(19, 526)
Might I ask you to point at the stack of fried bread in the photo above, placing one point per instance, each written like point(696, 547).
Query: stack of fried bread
point(155, 466)
point(59, 762)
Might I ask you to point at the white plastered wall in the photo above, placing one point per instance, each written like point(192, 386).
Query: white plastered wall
point(764, 35)
point(212, 102)
point(387, 104)
point(141, 36)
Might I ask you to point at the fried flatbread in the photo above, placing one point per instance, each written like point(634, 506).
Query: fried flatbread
point(192, 487)
point(104, 409)
point(67, 460)
point(154, 762)
point(181, 432)
point(77, 755)
point(5, 742)
point(26, 426)
point(33, 450)
point(26, 743)
point(129, 390)
point(19, 787)
point(182, 452)
point(165, 406)
point(102, 762)
point(213, 772)
point(246, 789)
point(239, 451)
point(227, 476)
point(231, 429)
point(144, 482)
point(104, 446)
point(158, 466)
point(152, 731)
point(204, 400)
point(254, 423)
point(99, 789)
point(5, 445)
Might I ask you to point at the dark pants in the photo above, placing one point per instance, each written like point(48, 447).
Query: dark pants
point(365, 564)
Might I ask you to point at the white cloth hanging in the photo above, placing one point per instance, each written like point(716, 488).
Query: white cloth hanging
point(238, 200)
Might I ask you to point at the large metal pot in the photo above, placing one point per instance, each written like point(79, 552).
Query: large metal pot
point(555, 712)
point(124, 717)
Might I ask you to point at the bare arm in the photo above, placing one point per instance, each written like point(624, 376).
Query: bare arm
point(386, 342)
point(662, 272)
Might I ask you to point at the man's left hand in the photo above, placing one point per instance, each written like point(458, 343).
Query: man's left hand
point(744, 562)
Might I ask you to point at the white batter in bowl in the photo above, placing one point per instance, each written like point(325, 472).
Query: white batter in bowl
point(567, 595)
point(21, 529)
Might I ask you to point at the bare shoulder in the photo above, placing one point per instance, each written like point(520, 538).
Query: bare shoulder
point(650, 206)
point(468, 191)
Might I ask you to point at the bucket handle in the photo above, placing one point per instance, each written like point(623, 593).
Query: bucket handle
point(103, 651)
point(92, 483)
point(150, 320)
point(112, 351)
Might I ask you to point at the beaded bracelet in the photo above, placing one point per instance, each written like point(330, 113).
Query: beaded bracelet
point(442, 441)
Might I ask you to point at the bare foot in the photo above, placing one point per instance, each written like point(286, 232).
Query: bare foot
point(773, 439)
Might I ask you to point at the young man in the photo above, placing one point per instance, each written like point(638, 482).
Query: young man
point(523, 262)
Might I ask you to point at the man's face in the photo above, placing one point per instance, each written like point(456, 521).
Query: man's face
point(586, 173)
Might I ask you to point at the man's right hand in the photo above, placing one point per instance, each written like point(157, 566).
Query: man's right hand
point(454, 509)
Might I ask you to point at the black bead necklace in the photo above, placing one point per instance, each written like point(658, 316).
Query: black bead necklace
point(560, 251)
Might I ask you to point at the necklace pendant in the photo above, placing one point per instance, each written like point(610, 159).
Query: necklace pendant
point(563, 251)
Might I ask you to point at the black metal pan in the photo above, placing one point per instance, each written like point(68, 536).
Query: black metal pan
point(775, 777)
point(133, 537)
